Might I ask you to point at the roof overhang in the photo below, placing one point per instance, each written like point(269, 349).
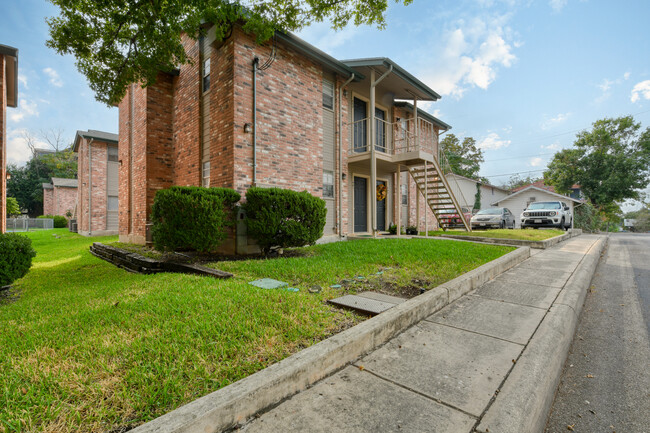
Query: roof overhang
point(320, 56)
point(11, 74)
point(104, 137)
point(421, 113)
point(399, 82)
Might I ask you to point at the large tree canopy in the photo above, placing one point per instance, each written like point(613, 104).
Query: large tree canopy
point(119, 42)
point(464, 157)
point(610, 163)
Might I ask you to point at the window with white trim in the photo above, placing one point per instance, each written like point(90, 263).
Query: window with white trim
point(405, 194)
point(328, 184)
point(206, 75)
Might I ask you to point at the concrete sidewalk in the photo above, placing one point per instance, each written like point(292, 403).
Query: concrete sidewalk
point(488, 362)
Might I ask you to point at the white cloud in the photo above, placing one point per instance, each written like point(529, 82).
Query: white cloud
point(18, 151)
point(23, 80)
point(554, 121)
point(606, 86)
point(55, 80)
point(557, 5)
point(492, 142)
point(25, 108)
point(552, 146)
point(640, 90)
point(536, 162)
point(626, 76)
point(474, 51)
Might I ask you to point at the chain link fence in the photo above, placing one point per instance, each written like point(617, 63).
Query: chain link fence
point(27, 224)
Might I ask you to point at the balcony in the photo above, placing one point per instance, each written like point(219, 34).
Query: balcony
point(397, 142)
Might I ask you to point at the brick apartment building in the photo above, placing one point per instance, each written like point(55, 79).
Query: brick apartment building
point(8, 98)
point(97, 173)
point(60, 196)
point(284, 114)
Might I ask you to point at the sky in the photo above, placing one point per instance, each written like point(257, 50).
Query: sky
point(522, 77)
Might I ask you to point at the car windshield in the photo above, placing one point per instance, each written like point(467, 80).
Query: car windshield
point(545, 205)
point(493, 211)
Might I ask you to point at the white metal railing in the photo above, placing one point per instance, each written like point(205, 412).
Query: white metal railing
point(26, 224)
point(403, 138)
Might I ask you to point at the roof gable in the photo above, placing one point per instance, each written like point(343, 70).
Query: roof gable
point(534, 188)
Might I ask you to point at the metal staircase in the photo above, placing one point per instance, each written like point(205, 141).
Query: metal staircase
point(434, 186)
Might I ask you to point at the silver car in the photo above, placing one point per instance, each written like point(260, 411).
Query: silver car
point(496, 217)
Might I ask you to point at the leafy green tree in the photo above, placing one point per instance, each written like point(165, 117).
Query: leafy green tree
point(464, 157)
point(516, 181)
point(642, 217)
point(610, 163)
point(119, 42)
point(12, 207)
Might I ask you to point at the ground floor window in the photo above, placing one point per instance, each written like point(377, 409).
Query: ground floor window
point(328, 184)
point(206, 174)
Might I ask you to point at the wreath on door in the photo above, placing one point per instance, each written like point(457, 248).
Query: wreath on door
point(381, 192)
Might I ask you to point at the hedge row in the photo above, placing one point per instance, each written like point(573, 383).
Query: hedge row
point(60, 222)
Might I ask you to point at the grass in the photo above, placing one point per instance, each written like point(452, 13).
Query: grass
point(89, 347)
point(526, 234)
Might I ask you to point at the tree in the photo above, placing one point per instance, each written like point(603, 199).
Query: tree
point(464, 157)
point(12, 207)
point(642, 217)
point(119, 42)
point(610, 163)
point(516, 181)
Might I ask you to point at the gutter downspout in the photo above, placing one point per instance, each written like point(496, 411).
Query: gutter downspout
point(340, 125)
point(256, 62)
point(90, 188)
point(373, 154)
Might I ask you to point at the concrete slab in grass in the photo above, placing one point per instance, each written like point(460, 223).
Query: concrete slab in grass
point(354, 401)
point(362, 304)
point(532, 295)
point(498, 319)
point(538, 276)
point(381, 297)
point(456, 367)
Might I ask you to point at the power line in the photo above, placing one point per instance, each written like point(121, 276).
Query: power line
point(512, 174)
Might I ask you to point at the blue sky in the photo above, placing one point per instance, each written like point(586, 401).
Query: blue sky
point(521, 77)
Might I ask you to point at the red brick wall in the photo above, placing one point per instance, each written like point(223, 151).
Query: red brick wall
point(289, 118)
point(3, 149)
point(65, 199)
point(98, 179)
point(186, 119)
point(48, 201)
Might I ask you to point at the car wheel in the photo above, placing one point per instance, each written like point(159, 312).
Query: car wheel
point(502, 225)
point(562, 226)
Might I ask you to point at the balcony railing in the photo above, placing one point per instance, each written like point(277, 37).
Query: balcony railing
point(403, 137)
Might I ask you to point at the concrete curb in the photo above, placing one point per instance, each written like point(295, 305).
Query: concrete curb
point(232, 405)
point(525, 400)
point(518, 242)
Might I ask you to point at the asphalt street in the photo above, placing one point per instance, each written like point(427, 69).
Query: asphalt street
point(605, 386)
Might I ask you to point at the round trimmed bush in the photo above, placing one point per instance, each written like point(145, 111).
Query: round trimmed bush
point(284, 218)
point(16, 255)
point(60, 222)
point(190, 217)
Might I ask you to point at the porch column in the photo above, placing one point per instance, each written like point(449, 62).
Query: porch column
point(417, 207)
point(426, 199)
point(415, 122)
point(399, 200)
point(373, 157)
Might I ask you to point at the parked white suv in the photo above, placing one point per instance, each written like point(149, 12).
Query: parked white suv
point(547, 214)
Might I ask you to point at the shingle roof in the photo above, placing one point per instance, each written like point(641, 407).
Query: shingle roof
point(48, 186)
point(96, 135)
point(69, 183)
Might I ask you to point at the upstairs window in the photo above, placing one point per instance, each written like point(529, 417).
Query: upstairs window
point(328, 94)
point(206, 75)
point(112, 153)
point(328, 184)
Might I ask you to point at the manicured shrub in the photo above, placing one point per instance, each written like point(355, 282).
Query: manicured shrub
point(284, 218)
point(412, 230)
point(189, 217)
point(60, 222)
point(16, 255)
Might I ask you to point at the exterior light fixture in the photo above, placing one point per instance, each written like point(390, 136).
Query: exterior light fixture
point(8, 176)
point(248, 127)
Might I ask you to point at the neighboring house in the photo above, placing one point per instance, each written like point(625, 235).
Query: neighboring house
point(8, 98)
point(518, 201)
point(465, 188)
point(59, 196)
point(97, 171)
point(575, 191)
point(283, 114)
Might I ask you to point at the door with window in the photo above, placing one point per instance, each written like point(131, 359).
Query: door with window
point(360, 204)
point(360, 130)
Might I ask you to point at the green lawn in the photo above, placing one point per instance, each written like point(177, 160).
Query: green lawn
point(90, 347)
point(526, 234)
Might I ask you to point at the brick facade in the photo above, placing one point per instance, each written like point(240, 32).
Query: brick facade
point(166, 133)
point(59, 200)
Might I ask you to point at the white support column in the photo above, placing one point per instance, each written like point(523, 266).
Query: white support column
point(415, 122)
point(398, 201)
point(426, 199)
point(417, 208)
point(373, 157)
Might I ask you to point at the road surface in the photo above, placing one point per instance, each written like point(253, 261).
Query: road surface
point(605, 386)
